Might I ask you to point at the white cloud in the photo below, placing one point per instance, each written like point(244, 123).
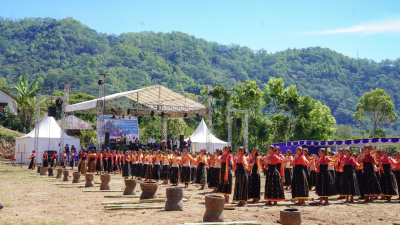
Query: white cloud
point(373, 28)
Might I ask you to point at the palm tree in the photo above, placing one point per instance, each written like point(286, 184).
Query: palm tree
point(26, 95)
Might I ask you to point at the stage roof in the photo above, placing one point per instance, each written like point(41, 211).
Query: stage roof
point(155, 98)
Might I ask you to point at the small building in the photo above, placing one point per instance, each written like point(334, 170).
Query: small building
point(7, 100)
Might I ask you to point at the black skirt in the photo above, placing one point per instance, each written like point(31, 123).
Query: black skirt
point(360, 181)
point(126, 169)
point(115, 167)
point(166, 170)
point(209, 174)
point(147, 173)
point(307, 171)
point(72, 163)
point(174, 178)
point(338, 182)
point(254, 183)
point(156, 172)
point(333, 173)
point(185, 174)
point(45, 163)
point(144, 169)
point(325, 186)
point(389, 184)
point(110, 167)
point(397, 175)
point(139, 169)
point(370, 181)
point(225, 186)
point(313, 176)
point(350, 185)
point(134, 167)
point(98, 165)
point(273, 185)
point(105, 165)
point(31, 163)
point(193, 173)
point(241, 184)
point(288, 177)
point(214, 178)
point(300, 187)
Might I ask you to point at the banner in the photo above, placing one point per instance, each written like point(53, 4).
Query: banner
point(120, 127)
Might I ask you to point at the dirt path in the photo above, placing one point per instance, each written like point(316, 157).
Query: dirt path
point(34, 200)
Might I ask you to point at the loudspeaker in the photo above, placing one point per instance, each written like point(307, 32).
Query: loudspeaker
point(238, 122)
point(181, 138)
point(52, 111)
point(107, 139)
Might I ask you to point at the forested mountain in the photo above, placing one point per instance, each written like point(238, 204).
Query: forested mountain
point(66, 51)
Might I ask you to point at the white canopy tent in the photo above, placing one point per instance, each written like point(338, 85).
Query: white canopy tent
point(49, 139)
point(199, 139)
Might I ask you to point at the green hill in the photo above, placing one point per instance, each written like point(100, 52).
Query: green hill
point(66, 51)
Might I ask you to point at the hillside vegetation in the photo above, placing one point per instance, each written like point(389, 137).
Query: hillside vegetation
point(66, 51)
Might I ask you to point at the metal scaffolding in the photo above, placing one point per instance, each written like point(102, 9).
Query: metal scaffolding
point(39, 98)
point(209, 119)
point(231, 112)
point(100, 106)
point(67, 90)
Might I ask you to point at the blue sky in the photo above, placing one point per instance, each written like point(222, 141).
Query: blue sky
point(370, 27)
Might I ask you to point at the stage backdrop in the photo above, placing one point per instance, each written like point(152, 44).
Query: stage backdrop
point(119, 126)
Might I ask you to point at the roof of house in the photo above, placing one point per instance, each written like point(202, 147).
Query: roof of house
point(10, 95)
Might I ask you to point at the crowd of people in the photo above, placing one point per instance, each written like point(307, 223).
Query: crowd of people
point(367, 175)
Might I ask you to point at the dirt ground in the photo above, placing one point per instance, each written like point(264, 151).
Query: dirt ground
point(36, 200)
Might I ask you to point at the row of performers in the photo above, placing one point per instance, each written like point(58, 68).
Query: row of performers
point(368, 174)
point(51, 161)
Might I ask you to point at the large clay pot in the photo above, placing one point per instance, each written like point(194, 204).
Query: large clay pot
point(130, 185)
point(38, 169)
point(77, 178)
point(149, 190)
point(214, 209)
point(290, 216)
point(59, 173)
point(43, 171)
point(66, 175)
point(89, 180)
point(50, 171)
point(174, 199)
point(105, 182)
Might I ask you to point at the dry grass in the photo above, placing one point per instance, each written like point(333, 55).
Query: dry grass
point(34, 200)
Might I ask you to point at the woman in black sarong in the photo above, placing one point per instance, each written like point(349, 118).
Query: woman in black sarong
point(389, 182)
point(225, 180)
point(287, 163)
point(370, 181)
point(350, 187)
point(274, 191)
point(32, 163)
point(45, 159)
point(300, 187)
point(216, 171)
point(325, 186)
point(254, 178)
point(166, 167)
point(126, 164)
point(241, 183)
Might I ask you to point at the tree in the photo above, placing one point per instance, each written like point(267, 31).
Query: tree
point(377, 107)
point(26, 95)
point(274, 94)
